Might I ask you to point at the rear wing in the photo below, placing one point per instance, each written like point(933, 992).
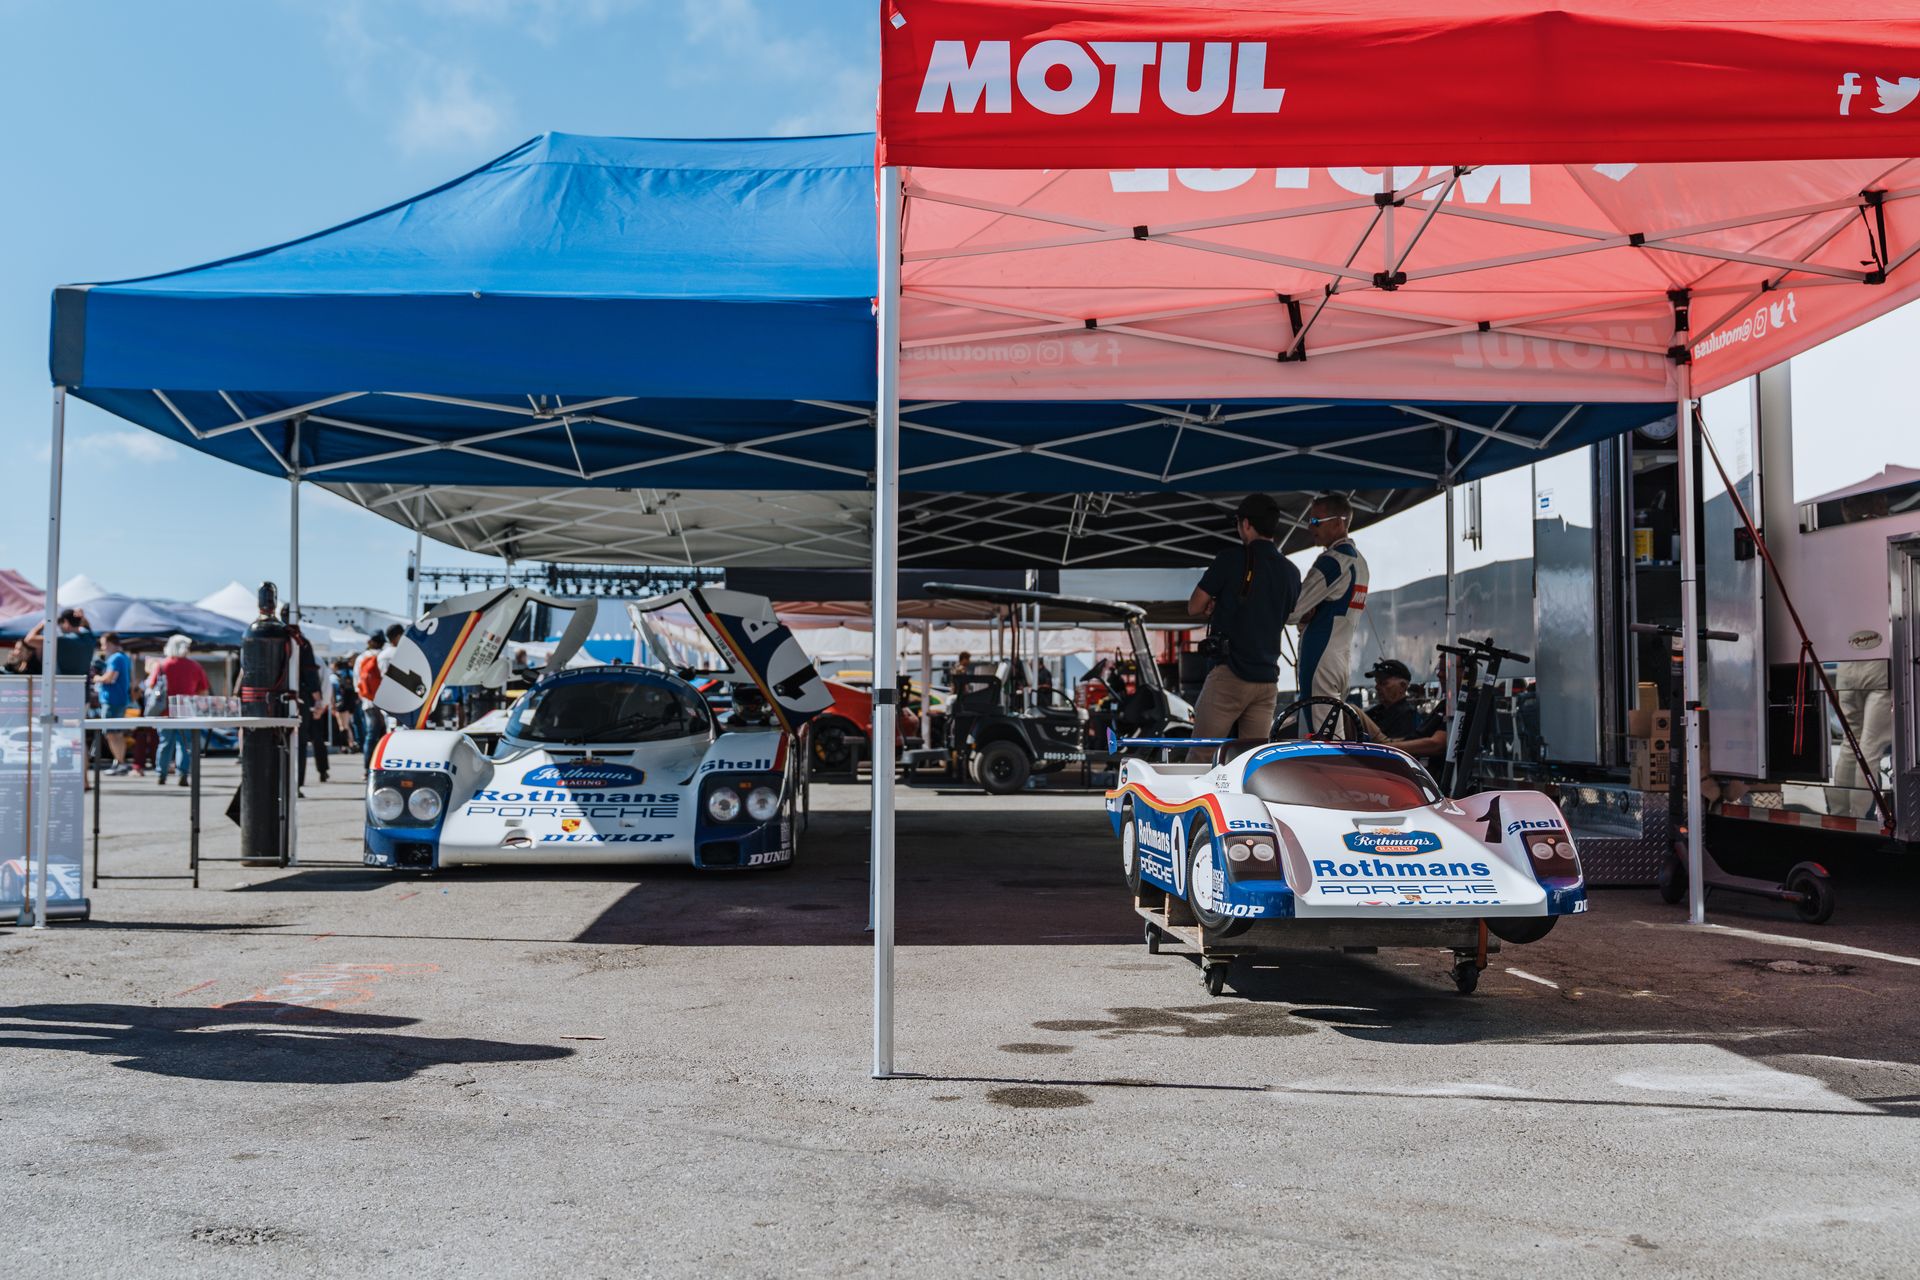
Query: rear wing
point(1117, 744)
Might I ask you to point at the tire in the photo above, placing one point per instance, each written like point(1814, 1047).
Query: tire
point(1521, 930)
point(1002, 768)
point(1130, 854)
point(832, 744)
point(1466, 976)
point(1673, 879)
point(1816, 890)
point(1215, 978)
point(1201, 867)
point(1153, 939)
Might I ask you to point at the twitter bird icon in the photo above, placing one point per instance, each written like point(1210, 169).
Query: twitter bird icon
point(1895, 95)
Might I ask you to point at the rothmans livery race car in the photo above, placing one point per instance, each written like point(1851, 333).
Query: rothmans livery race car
point(1353, 835)
point(605, 764)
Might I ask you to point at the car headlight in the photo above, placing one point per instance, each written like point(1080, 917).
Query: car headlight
point(762, 803)
point(1239, 851)
point(386, 804)
point(723, 804)
point(424, 804)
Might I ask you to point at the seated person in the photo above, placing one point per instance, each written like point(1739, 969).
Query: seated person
point(1403, 724)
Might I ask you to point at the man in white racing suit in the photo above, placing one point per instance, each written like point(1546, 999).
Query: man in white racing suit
point(1333, 592)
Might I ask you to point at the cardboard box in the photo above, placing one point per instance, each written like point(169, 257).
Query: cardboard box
point(1641, 778)
point(1646, 722)
point(1647, 695)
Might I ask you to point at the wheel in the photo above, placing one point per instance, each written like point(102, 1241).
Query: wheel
point(1215, 978)
point(1522, 930)
point(1673, 879)
point(1205, 879)
point(1340, 722)
point(1466, 976)
point(1130, 854)
point(1816, 889)
point(1153, 939)
point(833, 740)
point(1001, 768)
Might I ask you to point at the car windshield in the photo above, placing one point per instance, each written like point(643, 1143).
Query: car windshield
point(1360, 783)
point(613, 710)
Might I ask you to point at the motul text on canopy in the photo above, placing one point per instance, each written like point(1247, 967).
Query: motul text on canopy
point(1060, 77)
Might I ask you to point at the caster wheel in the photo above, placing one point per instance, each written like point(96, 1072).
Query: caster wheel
point(1673, 879)
point(1215, 979)
point(1466, 976)
point(1153, 941)
point(1816, 894)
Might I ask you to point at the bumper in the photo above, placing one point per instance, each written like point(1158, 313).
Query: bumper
point(712, 848)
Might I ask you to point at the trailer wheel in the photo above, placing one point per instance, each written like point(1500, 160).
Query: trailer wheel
point(1673, 879)
point(1466, 976)
point(1001, 768)
point(1153, 939)
point(1815, 888)
point(1215, 978)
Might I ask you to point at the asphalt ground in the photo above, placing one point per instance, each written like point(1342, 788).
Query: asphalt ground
point(603, 1073)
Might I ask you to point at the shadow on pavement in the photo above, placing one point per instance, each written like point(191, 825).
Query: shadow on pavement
point(297, 1045)
point(967, 877)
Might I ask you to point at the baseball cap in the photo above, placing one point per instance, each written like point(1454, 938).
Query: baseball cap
point(1390, 667)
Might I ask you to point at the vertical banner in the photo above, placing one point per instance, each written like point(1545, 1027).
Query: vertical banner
point(21, 698)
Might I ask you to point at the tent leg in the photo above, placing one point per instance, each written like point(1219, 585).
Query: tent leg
point(926, 685)
point(295, 748)
point(886, 612)
point(413, 578)
point(1453, 631)
point(36, 915)
point(1689, 460)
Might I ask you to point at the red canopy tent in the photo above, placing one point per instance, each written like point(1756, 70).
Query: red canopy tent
point(1588, 201)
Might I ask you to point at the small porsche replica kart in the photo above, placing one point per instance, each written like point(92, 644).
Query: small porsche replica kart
point(1322, 842)
point(610, 764)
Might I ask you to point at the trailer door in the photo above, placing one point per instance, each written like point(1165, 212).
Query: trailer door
point(1733, 579)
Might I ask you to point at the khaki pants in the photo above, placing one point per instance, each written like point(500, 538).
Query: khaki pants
point(1230, 707)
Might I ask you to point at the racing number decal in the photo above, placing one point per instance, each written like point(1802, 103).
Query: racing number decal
point(1177, 854)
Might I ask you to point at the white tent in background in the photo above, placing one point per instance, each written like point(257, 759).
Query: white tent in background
point(239, 601)
point(232, 601)
point(79, 589)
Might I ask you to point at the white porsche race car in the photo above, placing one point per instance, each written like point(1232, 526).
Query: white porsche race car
point(1341, 843)
point(605, 764)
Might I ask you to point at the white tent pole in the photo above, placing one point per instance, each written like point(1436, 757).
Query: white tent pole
point(1690, 642)
point(413, 577)
point(926, 684)
point(50, 656)
point(886, 611)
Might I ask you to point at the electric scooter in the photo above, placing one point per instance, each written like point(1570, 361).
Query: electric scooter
point(1475, 693)
point(1808, 888)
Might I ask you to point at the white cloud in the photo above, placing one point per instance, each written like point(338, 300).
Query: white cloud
point(837, 81)
point(447, 112)
point(128, 444)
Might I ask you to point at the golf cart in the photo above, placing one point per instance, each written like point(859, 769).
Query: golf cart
point(1003, 727)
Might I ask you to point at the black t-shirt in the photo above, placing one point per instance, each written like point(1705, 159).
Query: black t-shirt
point(1252, 614)
point(1403, 720)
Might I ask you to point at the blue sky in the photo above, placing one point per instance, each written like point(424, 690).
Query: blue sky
point(146, 136)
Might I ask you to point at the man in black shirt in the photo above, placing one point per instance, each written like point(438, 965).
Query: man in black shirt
point(1405, 725)
point(1245, 595)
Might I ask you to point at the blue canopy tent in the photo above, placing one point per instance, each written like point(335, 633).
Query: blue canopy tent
point(525, 359)
point(136, 619)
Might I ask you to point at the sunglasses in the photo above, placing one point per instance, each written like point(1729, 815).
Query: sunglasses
point(1314, 522)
